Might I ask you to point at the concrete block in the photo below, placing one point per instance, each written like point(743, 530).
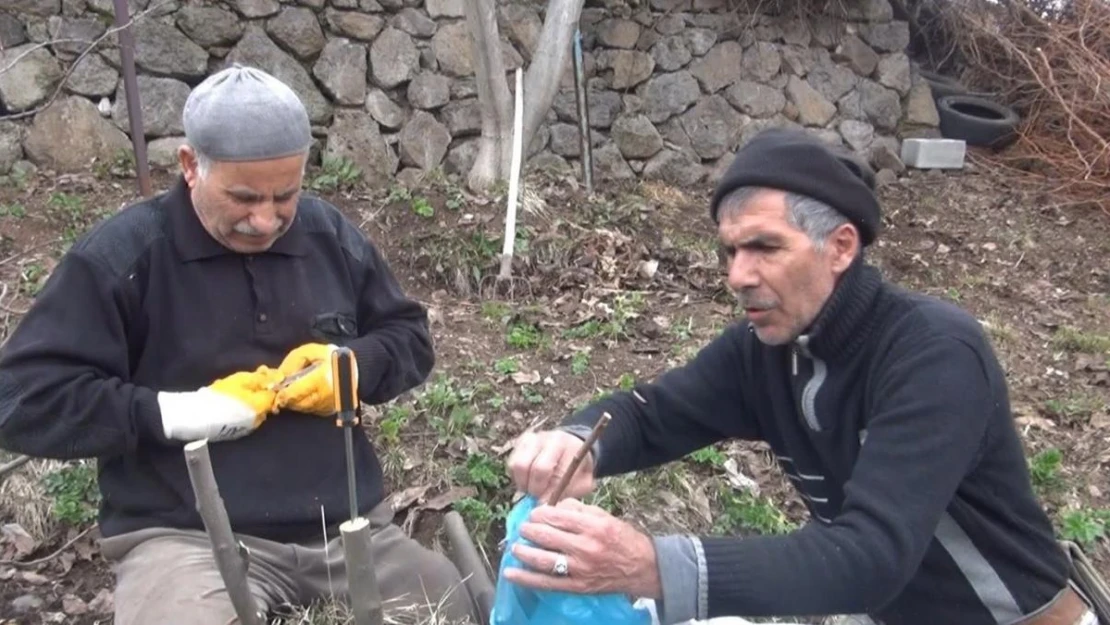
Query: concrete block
point(934, 153)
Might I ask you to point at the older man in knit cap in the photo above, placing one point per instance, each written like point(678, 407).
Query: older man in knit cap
point(887, 410)
point(173, 320)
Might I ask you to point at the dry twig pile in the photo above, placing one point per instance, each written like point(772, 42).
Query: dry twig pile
point(1053, 67)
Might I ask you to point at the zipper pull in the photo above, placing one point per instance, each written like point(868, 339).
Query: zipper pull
point(794, 359)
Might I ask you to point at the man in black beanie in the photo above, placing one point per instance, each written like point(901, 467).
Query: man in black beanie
point(887, 410)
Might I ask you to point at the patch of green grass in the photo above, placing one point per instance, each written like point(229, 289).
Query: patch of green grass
point(1076, 407)
point(497, 312)
point(74, 493)
point(449, 406)
point(744, 511)
point(1075, 340)
point(625, 308)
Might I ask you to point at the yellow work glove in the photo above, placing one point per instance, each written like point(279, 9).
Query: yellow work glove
point(313, 393)
point(227, 409)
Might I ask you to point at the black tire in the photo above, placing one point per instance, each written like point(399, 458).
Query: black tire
point(977, 121)
point(942, 85)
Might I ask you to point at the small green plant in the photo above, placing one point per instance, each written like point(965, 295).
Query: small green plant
point(389, 429)
point(506, 366)
point(455, 199)
point(336, 173)
point(449, 407)
point(531, 395)
point(74, 494)
point(483, 472)
point(524, 336)
point(626, 382)
point(422, 207)
point(580, 362)
point(1044, 470)
point(13, 210)
point(626, 307)
point(1085, 526)
point(708, 456)
point(32, 278)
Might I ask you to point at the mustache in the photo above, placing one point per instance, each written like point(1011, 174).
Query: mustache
point(245, 228)
point(751, 299)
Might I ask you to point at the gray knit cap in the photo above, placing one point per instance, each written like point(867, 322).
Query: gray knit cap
point(244, 114)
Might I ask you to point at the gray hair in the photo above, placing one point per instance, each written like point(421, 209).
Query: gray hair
point(813, 217)
point(204, 163)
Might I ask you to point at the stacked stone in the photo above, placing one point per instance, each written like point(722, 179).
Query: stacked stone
point(675, 86)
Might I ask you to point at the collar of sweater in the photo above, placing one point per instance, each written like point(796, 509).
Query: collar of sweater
point(845, 320)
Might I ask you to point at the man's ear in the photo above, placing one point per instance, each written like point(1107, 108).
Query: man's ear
point(843, 246)
point(187, 158)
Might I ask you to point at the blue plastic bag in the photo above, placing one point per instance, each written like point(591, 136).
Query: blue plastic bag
point(518, 605)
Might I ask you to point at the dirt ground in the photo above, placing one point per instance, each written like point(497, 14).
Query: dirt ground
point(610, 289)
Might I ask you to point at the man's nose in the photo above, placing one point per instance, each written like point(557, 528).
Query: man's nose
point(265, 222)
point(742, 272)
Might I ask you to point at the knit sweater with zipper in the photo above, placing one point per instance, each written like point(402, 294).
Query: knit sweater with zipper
point(890, 416)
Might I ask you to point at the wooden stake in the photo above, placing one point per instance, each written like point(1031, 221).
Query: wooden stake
point(231, 557)
point(362, 582)
point(579, 456)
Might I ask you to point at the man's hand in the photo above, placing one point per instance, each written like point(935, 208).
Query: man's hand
point(313, 393)
point(539, 461)
point(604, 554)
point(227, 409)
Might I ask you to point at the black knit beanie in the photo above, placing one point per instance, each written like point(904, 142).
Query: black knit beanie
point(796, 161)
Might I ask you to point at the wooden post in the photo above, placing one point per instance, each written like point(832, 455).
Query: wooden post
point(231, 561)
point(362, 581)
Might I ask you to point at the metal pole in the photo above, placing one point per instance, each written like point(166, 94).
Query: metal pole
point(131, 91)
point(583, 113)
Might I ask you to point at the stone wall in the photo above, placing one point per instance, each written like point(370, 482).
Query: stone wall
point(674, 85)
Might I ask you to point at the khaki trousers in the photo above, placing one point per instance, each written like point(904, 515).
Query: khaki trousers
point(169, 576)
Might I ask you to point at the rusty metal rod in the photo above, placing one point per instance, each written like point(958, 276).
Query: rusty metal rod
point(583, 113)
point(131, 92)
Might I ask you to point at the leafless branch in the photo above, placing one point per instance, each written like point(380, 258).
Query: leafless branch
point(61, 83)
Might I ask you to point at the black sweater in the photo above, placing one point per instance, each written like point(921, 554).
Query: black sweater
point(891, 419)
point(148, 301)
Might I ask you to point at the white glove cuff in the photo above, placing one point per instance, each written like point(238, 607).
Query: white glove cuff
point(204, 413)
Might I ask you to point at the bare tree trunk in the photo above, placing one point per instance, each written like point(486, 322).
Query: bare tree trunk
point(491, 164)
point(541, 83)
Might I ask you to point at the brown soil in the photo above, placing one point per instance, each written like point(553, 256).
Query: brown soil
point(581, 317)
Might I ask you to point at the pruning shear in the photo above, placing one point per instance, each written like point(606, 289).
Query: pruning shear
point(289, 379)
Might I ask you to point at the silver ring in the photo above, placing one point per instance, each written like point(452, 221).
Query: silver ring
point(561, 568)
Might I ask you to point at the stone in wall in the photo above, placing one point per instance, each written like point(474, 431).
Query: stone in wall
point(70, 135)
point(674, 86)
